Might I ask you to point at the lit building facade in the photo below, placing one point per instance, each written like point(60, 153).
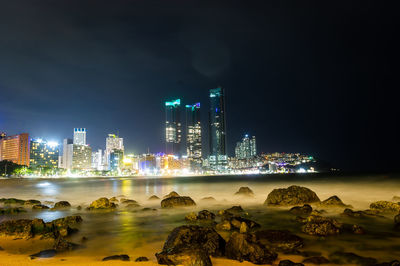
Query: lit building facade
point(246, 148)
point(43, 154)
point(173, 127)
point(81, 157)
point(193, 135)
point(80, 136)
point(15, 149)
point(218, 158)
point(116, 160)
point(97, 160)
point(113, 143)
point(68, 149)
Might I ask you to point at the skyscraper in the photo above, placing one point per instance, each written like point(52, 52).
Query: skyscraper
point(80, 136)
point(173, 131)
point(81, 157)
point(43, 153)
point(218, 155)
point(15, 148)
point(193, 135)
point(246, 148)
point(68, 148)
point(113, 143)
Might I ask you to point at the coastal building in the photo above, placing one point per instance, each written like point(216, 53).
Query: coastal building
point(15, 149)
point(218, 158)
point(81, 157)
point(80, 136)
point(97, 160)
point(193, 135)
point(173, 130)
point(246, 148)
point(116, 160)
point(43, 153)
point(68, 148)
point(113, 143)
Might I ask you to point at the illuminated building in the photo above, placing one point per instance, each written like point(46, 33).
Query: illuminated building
point(193, 135)
point(81, 157)
point(43, 153)
point(147, 163)
point(113, 143)
point(68, 148)
point(2, 135)
point(246, 148)
point(116, 159)
point(218, 158)
point(80, 136)
point(15, 148)
point(173, 131)
point(97, 160)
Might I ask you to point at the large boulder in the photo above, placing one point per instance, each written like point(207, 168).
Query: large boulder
point(102, 203)
point(154, 197)
point(32, 202)
point(279, 240)
point(293, 195)
point(361, 214)
point(244, 246)
point(351, 258)
point(62, 205)
point(334, 201)
point(245, 191)
point(191, 245)
point(321, 226)
point(12, 201)
point(304, 210)
point(40, 207)
point(385, 206)
point(23, 228)
point(172, 202)
point(171, 194)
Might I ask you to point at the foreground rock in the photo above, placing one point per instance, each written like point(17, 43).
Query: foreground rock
point(172, 202)
point(40, 207)
point(244, 246)
point(191, 245)
point(122, 257)
point(48, 253)
point(32, 202)
point(396, 198)
point(154, 197)
point(203, 216)
point(62, 205)
point(397, 221)
point(361, 214)
point(391, 263)
point(304, 210)
point(12, 201)
point(334, 201)
point(321, 226)
point(318, 260)
point(139, 259)
point(293, 195)
point(101, 204)
point(279, 240)
point(385, 206)
point(230, 221)
point(245, 191)
point(289, 263)
point(15, 210)
point(350, 258)
point(172, 194)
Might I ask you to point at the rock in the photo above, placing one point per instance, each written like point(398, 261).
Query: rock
point(114, 199)
point(244, 247)
point(61, 245)
point(191, 217)
point(32, 202)
point(22, 228)
point(185, 257)
point(353, 228)
point(84, 239)
point(350, 258)
point(102, 203)
point(122, 257)
point(385, 206)
point(12, 201)
point(67, 221)
point(289, 263)
point(279, 240)
point(154, 197)
point(61, 205)
point(79, 208)
point(237, 221)
point(397, 219)
point(334, 201)
point(392, 263)
point(243, 228)
point(11, 210)
point(235, 210)
point(356, 214)
point(172, 202)
point(396, 198)
point(293, 195)
point(245, 191)
point(48, 253)
point(148, 209)
point(224, 226)
point(132, 205)
point(172, 194)
point(209, 199)
point(39, 207)
point(128, 201)
point(205, 215)
point(48, 202)
point(1, 249)
point(141, 259)
point(304, 210)
point(321, 226)
point(191, 245)
point(318, 260)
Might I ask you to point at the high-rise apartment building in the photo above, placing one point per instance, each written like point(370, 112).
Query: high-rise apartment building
point(116, 159)
point(193, 135)
point(15, 148)
point(68, 148)
point(173, 130)
point(43, 153)
point(81, 157)
point(113, 143)
point(246, 148)
point(80, 136)
point(217, 129)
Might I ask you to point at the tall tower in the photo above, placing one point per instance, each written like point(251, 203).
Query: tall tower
point(173, 131)
point(193, 135)
point(80, 136)
point(218, 155)
point(114, 144)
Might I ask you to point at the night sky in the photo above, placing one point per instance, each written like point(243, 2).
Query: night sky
point(302, 76)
